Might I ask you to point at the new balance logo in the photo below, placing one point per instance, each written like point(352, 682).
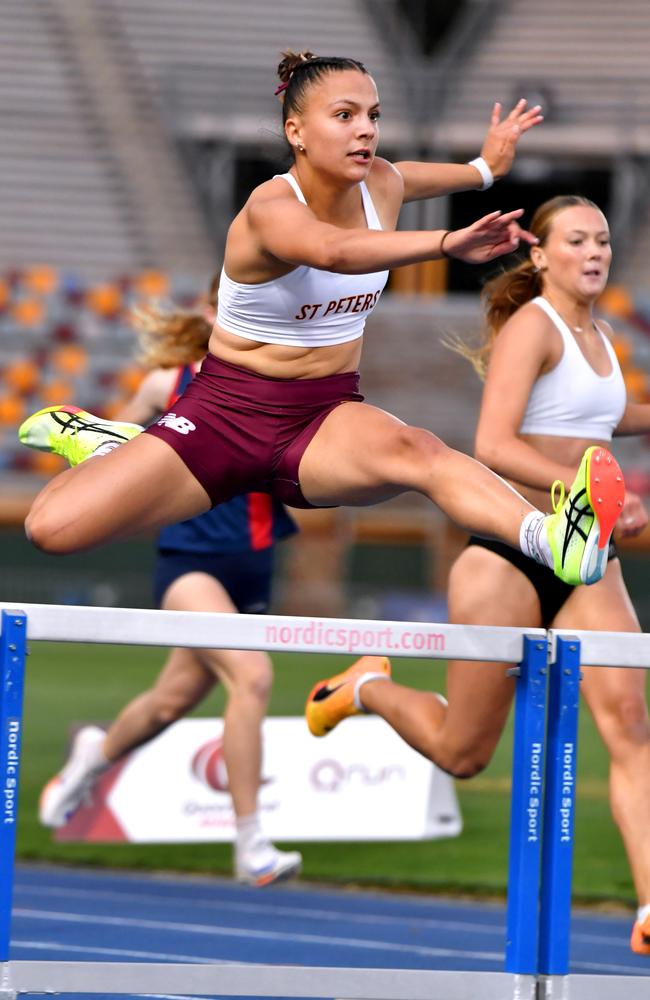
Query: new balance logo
point(179, 424)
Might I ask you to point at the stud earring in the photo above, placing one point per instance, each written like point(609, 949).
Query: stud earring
point(300, 147)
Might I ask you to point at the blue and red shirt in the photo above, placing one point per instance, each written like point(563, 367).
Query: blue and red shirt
point(246, 523)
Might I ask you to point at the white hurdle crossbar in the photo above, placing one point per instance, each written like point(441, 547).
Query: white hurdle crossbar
point(538, 907)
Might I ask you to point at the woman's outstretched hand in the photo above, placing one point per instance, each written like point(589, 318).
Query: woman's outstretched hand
point(502, 136)
point(492, 236)
point(634, 517)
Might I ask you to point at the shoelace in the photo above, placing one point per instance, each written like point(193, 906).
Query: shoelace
point(558, 495)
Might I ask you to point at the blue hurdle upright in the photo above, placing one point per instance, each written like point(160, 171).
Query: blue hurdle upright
point(542, 808)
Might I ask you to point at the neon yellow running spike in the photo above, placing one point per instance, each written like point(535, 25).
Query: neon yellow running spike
point(72, 432)
point(581, 527)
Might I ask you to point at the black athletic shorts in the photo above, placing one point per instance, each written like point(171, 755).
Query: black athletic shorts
point(551, 591)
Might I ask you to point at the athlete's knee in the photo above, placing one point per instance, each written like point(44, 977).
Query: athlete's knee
point(464, 762)
point(258, 679)
point(47, 532)
point(250, 676)
point(419, 443)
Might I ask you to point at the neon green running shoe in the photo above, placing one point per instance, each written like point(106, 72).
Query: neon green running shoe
point(73, 433)
point(581, 527)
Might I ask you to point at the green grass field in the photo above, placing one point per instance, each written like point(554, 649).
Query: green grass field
point(72, 683)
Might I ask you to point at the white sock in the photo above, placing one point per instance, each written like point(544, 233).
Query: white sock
point(98, 760)
point(643, 912)
point(362, 680)
point(533, 538)
point(248, 831)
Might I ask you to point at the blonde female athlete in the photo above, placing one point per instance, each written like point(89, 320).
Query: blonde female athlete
point(276, 407)
point(220, 561)
point(568, 394)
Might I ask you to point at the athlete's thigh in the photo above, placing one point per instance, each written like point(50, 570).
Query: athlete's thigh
point(139, 486)
point(485, 589)
point(362, 455)
point(199, 591)
point(613, 694)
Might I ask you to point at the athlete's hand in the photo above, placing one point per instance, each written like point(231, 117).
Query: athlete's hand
point(502, 136)
point(489, 237)
point(633, 517)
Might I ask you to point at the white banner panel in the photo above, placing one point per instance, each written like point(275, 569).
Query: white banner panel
point(360, 782)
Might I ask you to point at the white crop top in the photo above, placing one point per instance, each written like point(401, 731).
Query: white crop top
point(572, 400)
point(306, 307)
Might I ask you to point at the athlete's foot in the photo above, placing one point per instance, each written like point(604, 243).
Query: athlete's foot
point(262, 864)
point(74, 433)
point(73, 785)
point(640, 939)
point(580, 529)
point(334, 699)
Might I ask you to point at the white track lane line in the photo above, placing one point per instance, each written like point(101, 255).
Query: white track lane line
point(307, 912)
point(210, 930)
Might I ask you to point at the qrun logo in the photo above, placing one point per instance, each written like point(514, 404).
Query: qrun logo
point(179, 424)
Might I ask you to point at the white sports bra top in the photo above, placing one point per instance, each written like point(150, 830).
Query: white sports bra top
point(572, 400)
point(306, 307)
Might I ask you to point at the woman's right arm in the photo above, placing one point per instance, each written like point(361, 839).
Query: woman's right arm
point(150, 399)
point(519, 355)
point(288, 231)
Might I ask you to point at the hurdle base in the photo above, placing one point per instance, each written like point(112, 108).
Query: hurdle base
point(574, 987)
point(6, 990)
point(253, 980)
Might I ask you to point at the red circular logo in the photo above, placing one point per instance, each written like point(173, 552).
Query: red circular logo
point(209, 766)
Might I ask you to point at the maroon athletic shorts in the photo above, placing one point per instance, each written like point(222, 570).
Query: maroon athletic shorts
point(240, 432)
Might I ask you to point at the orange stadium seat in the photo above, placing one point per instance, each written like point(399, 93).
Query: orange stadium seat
point(617, 300)
point(22, 376)
point(5, 295)
point(54, 391)
point(41, 280)
point(128, 379)
point(623, 348)
point(105, 300)
point(70, 359)
point(46, 464)
point(152, 284)
point(28, 312)
point(12, 410)
point(636, 383)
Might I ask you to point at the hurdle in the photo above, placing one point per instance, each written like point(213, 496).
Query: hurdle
point(538, 887)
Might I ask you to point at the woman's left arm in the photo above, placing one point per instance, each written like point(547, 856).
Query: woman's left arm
point(430, 180)
point(635, 420)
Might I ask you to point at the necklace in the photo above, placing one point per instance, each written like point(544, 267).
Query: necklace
point(575, 329)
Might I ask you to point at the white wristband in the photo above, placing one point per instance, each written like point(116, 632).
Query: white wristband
point(485, 172)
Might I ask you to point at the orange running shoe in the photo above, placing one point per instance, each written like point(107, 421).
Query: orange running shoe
point(640, 940)
point(332, 700)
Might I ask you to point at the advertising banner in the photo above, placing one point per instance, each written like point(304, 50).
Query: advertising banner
point(361, 782)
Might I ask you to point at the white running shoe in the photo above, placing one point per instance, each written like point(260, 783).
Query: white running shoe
point(73, 785)
point(263, 864)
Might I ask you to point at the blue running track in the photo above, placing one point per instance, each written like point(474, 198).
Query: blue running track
point(96, 915)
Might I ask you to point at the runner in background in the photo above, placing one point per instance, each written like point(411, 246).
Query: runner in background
point(553, 387)
point(220, 561)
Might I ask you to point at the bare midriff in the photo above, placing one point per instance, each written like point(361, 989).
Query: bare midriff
point(568, 451)
point(280, 361)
